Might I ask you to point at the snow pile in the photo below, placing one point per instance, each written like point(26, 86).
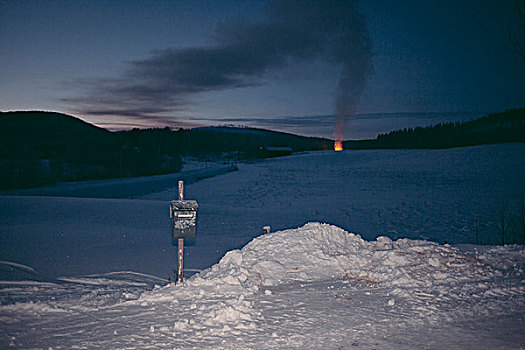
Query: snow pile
point(216, 300)
point(219, 296)
point(278, 291)
point(320, 251)
point(509, 258)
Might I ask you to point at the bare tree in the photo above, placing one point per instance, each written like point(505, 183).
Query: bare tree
point(476, 228)
point(504, 220)
point(520, 220)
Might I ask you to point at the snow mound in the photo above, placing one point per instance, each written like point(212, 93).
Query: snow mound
point(320, 251)
point(314, 252)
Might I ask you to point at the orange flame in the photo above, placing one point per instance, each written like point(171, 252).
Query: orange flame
point(338, 146)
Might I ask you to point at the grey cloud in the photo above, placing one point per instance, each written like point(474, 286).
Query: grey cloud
point(293, 31)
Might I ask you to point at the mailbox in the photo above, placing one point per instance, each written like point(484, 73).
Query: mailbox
point(184, 218)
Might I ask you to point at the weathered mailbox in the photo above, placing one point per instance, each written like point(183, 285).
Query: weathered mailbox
point(184, 218)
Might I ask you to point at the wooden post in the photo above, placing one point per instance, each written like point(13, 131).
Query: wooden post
point(181, 240)
point(181, 260)
point(181, 190)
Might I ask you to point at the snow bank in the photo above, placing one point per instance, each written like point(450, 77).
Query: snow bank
point(320, 251)
point(316, 287)
point(314, 252)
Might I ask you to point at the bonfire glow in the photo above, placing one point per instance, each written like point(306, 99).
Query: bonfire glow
point(338, 146)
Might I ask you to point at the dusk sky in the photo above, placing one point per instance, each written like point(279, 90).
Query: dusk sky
point(296, 66)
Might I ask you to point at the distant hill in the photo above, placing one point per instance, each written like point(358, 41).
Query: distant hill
point(39, 123)
point(40, 148)
point(508, 126)
point(246, 143)
point(27, 135)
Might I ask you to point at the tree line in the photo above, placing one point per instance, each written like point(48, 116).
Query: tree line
point(508, 126)
point(42, 148)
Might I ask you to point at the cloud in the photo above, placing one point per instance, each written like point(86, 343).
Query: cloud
point(293, 31)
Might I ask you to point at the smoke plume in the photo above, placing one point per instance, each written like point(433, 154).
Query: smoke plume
point(293, 31)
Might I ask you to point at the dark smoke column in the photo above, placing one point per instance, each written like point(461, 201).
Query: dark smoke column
point(353, 50)
point(293, 31)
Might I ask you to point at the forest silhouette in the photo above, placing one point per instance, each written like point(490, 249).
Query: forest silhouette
point(43, 148)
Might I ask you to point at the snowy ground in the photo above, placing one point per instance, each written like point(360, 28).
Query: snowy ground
point(313, 287)
point(127, 187)
point(316, 286)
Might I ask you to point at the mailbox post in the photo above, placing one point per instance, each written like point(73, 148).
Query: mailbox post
point(184, 220)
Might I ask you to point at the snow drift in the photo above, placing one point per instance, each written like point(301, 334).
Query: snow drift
point(320, 251)
point(279, 291)
point(314, 252)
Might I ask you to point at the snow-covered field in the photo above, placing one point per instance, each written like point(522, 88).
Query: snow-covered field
point(92, 272)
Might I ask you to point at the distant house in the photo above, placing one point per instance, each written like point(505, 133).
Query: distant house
point(274, 151)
